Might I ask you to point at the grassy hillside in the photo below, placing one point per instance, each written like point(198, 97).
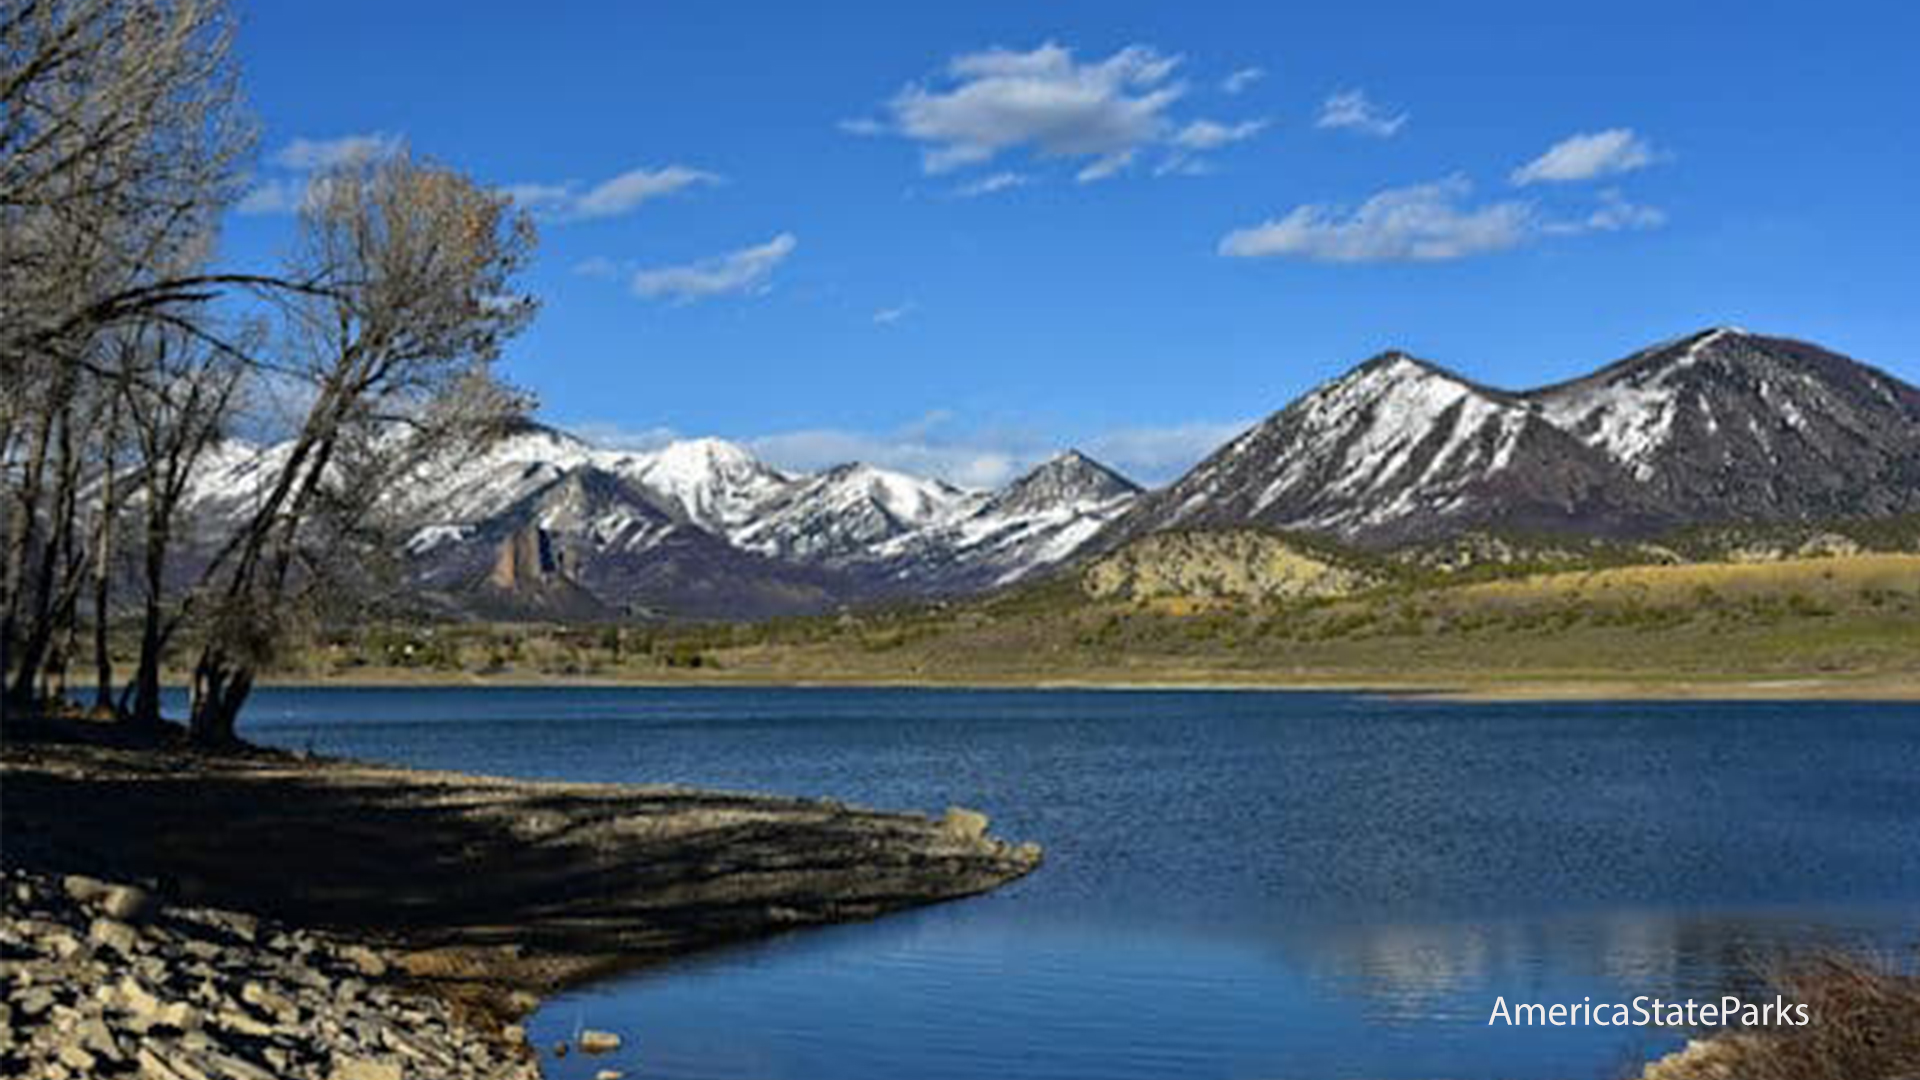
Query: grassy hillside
point(1243, 610)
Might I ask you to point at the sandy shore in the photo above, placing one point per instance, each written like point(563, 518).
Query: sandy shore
point(485, 892)
point(1548, 686)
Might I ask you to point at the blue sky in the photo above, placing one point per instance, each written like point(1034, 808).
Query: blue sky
point(958, 237)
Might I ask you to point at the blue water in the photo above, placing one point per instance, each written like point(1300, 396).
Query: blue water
point(1238, 885)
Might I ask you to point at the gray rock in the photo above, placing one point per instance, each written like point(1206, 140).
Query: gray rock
point(229, 1067)
point(115, 935)
point(235, 1020)
point(84, 890)
point(364, 1068)
point(370, 963)
point(95, 1036)
point(964, 823)
point(128, 903)
point(275, 1005)
point(34, 1001)
point(598, 1042)
point(149, 1011)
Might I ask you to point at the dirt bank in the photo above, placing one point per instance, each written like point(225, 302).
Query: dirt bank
point(485, 892)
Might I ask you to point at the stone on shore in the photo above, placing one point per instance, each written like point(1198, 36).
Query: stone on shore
point(964, 823)
point(183, 994)
point(598, 1042)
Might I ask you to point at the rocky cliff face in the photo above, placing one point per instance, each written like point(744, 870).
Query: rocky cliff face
point(525, 561)
point(528, 579)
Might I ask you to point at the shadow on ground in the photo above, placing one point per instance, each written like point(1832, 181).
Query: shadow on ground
point(526, 883)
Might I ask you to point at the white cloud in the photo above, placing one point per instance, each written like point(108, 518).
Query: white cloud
point(540, 198)
point(1211, 134)
point(1352, 110)
point(315, 155)
point(1614, 214)
point(1183, 165)
point(989, 185)
point(888, 315)
point(747, 270)
point(1587, 155)
point(1422, 223)
point(1103, 168)
point(614, 436)
point(1044, 101)
point(1102, 115)
point(298, 160)
point(599, 266)
point(914, 449)
point(1240, 80)
point(610, 198)
point(987, 457)
point(280, 195)
point(1155, 455)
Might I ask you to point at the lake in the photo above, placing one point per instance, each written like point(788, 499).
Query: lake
point(1257, 885)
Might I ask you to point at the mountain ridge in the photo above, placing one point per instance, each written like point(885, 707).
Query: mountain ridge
point(1716, 426)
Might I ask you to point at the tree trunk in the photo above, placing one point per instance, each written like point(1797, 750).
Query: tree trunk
point(20, 538)
point(145, 711)
point(39, 632)
point(103, 576)
point(220, 688)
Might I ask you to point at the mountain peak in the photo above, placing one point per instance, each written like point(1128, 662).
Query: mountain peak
point(1389, 371)
point(716, 483)
point(1398, 359)
point(1067, 479)
point(706, 452)
point(1760, 427)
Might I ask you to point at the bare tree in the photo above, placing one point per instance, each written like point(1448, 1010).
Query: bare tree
point(413, 265)
point(177, 412)
point(120, 136)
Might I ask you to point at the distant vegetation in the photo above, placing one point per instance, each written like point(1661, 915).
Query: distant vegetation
point(1264, 608)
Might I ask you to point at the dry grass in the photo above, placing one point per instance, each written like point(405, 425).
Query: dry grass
point(1895, 573)
point(1865, 1026)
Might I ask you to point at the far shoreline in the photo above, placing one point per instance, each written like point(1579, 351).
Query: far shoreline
point(1546, 688)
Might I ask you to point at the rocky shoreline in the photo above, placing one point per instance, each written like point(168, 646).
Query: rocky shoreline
point(255, 916)
point(103, 981)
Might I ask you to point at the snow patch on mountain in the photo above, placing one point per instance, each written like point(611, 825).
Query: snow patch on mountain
point(834, 517)
point(716, 484)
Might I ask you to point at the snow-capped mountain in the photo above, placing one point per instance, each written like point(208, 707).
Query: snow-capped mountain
point(1067, 480)
point(1722, 425)
point(1037, 522)
point(459, 489)
point(699, 527)
point(835, 518)
point(1751, 427)
point(1395, 449)
point(715, 484)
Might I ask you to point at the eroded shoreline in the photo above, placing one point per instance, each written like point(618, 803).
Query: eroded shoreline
point(479, 895)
